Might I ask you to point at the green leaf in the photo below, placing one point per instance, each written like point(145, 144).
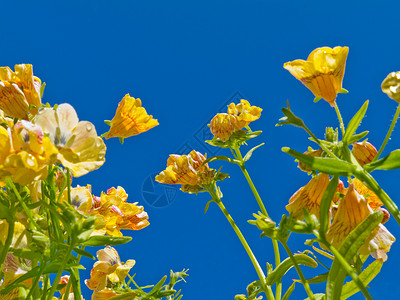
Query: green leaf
point(285, 266)
point(318, 297)
point(354, 123)
point(289, 291)
point(389, 162)
point(326, 205)
point(366, 276)
point(221, 157)
point(126, 296)
point(348, 250)
point(323, 164)
point(290, 118)
point(42, 87)
point(250, 152)
point(316, 99)
point(343, 91)
point(317, 279)
point(158, 286)
point(357, 137)
point(96, 241)
point(84, 253)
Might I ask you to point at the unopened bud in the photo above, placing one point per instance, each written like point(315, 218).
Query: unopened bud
point(391, 86)
point(222, 126)
point(364, 152)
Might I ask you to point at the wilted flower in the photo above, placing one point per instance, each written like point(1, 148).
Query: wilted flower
point(130, 119)
point(80, 149)
point(244, 113)
point(322, 72)
point(187, 170)
point(352, 210)
point(108, 268)
point(113, 213)
point(364, 152)
point(19, 90)
point(222, 126)
point(372, 199)
point(308, 197)
point(391, 86)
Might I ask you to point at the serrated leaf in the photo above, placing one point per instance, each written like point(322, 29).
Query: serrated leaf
point(366, 276)
point(323, 164)
point(354, 123)
point(96, 241)
point(285, 266)
point(325, 206)
point(389, 162)
point(289, 291)
point(348, 250)
point(250, 152)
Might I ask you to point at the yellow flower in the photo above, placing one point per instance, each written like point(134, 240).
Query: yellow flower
point(364, 152)
point(222, 126)
point(352, 210)
point(28, 154)
point(113, 213)
point(19, 90)
point(322, 72)
point(244, 113)
point(187, 170)
point(308, 197)
point(13, 268)
point(130, 119)
point(372, 199)
point(391, 86)
point(108, 268)
point(80, 149)
point(81, 198)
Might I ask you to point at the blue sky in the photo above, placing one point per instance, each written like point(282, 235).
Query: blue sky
point(186, 60)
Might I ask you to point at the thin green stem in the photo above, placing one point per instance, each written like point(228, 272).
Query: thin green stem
point(340, 119)
point(257, 267)
point(301, 275)
point(275, 245)
point(7, 244)
point(329, 152)
point(350, 271)
point(389, 133)
point(68, 287)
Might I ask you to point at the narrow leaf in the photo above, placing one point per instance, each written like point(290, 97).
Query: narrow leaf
point(326, 204)
point(285, 266)
point(357, 137)
point(318, 297)
point(250, 152)
point(389, 162)
point(366, 276)
point(96, 241)
point(355, 122)
point(323, 164)
point(317, 279)
point(348, 250)
point(221, 157)
point(158, 286)
point(289, 291)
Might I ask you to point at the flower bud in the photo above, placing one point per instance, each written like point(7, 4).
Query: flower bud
point(222, 126)
point(364, 152)
point(391, 86)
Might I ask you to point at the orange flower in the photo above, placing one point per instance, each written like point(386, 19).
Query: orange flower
point(130, 119)
point(372, 199)
point(308, 197)
point(222, 126)
point(322, 72)
point(114, 213)
point(19, 90)
point(364, 152)
point(352, 210)
point(244, 113)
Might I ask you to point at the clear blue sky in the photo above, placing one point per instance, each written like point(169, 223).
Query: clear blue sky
point(185, 60)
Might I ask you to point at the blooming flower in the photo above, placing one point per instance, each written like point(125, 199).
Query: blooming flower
point(113, 213)
point(19, 90)
point(352, 210)
point(108, 268)
point(322, 72)
point(391, 86)
point(244, 113)
point(187, 170)
point(12, 269)
point(372, 199)
point(308, 197)
point(81, 198)
point(222, 126)
point(364, 152)
point(27, 154)
point(130, 119)
point(80, 149)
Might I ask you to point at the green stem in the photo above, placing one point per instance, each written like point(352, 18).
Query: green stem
point(68, 287)
point(260, 273)
point(340, 119)
point(10, 234)
point(389, 133)
point(350, 271)
point(329, 152)
point(60, 271)
point(275, 245)
point(301, 275)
